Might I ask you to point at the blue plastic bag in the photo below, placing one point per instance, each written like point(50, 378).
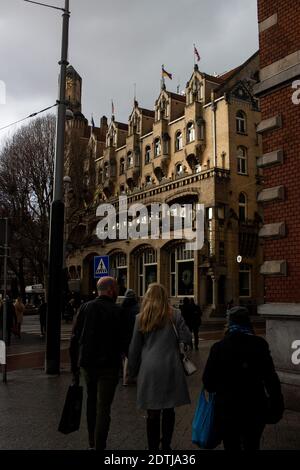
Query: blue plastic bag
point(204, 431)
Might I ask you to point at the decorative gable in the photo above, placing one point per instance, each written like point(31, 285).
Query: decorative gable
point(242, 92)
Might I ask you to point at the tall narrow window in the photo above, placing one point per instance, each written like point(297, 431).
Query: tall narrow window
point(129, 160)
point(242, 207)
point(157, 147)
point(190, 132)
point(242, 160)
point(118, 269)
point(147, 154)
point(122, 166)
point(181, 272)
point(147, 269)
point(178, 141)
point(241, 122)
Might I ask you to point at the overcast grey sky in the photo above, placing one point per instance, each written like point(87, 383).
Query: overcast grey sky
point(114, 44)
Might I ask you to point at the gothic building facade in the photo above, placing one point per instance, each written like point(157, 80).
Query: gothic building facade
point(200, 146)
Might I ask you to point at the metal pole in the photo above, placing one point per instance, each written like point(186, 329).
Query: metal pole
point(4, 298)
point(52, 361)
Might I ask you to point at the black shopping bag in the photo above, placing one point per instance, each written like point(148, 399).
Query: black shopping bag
point(70, 419)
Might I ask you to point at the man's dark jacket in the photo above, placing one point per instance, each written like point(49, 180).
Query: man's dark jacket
point(99, 335)
point(240, 370)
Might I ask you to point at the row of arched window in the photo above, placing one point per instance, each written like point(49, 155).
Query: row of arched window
point(127, 163)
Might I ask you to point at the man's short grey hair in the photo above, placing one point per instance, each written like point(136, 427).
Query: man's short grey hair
point(105, 285)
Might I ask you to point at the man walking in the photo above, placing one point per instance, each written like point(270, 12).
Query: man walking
point(98, 340)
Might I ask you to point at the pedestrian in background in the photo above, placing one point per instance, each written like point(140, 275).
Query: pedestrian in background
point(185, 311)
point(99, 338)
point(43, 316)
point(155, 359)
point(130, 306)
point(19, 309)
point(195, 321)
point(11, 320)
point(240, 371)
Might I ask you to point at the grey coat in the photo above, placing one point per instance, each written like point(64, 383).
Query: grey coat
point(154, 358)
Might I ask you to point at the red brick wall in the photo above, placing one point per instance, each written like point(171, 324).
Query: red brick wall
point(284, 38)
point(275, 43)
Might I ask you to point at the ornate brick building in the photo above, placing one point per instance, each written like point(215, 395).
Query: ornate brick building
point(279, 26)
point(200, 146)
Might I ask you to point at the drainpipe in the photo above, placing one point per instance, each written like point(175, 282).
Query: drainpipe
point(214, 128)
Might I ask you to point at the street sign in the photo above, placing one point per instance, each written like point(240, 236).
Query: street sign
point(101, 266)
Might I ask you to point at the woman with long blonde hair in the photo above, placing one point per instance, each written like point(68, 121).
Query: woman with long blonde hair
point(155, 359)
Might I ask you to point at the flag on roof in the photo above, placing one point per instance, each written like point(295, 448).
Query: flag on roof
point(196, 53)
point(165, 73)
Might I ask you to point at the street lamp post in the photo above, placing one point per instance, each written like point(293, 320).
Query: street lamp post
point(56, 241)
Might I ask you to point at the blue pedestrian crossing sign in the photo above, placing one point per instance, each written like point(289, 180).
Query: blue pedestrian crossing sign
point(101, 266)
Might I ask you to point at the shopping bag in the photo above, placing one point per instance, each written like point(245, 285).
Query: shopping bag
point(188, 366)
point(204, 431)
point(70, 419)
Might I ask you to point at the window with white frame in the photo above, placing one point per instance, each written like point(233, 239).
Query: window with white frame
point(190, 132)
point(242, 207)
point(182, 272)
point(122, 166)
point(129, 160)
point(178, 141)
point(242, 160)
point(179, 169)
point(147, 269)
point(147, 154)
point(241, 122)
point(157, 147)
point(118, 269)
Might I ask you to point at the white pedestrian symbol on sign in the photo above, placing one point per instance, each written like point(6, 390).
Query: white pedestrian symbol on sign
point(102, 269)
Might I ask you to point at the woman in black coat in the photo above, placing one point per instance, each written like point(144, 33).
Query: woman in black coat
point(241, 372)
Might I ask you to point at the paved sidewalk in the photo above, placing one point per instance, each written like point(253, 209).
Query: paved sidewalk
point(31, 405)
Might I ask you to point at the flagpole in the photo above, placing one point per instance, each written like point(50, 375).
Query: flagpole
point(194, 55)
point(163, 84)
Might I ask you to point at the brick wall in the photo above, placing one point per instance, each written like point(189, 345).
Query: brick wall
point(284, 38)
point(276, 43)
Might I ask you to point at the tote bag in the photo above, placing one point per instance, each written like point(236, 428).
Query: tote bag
point(71, 415)
point(204, 432)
